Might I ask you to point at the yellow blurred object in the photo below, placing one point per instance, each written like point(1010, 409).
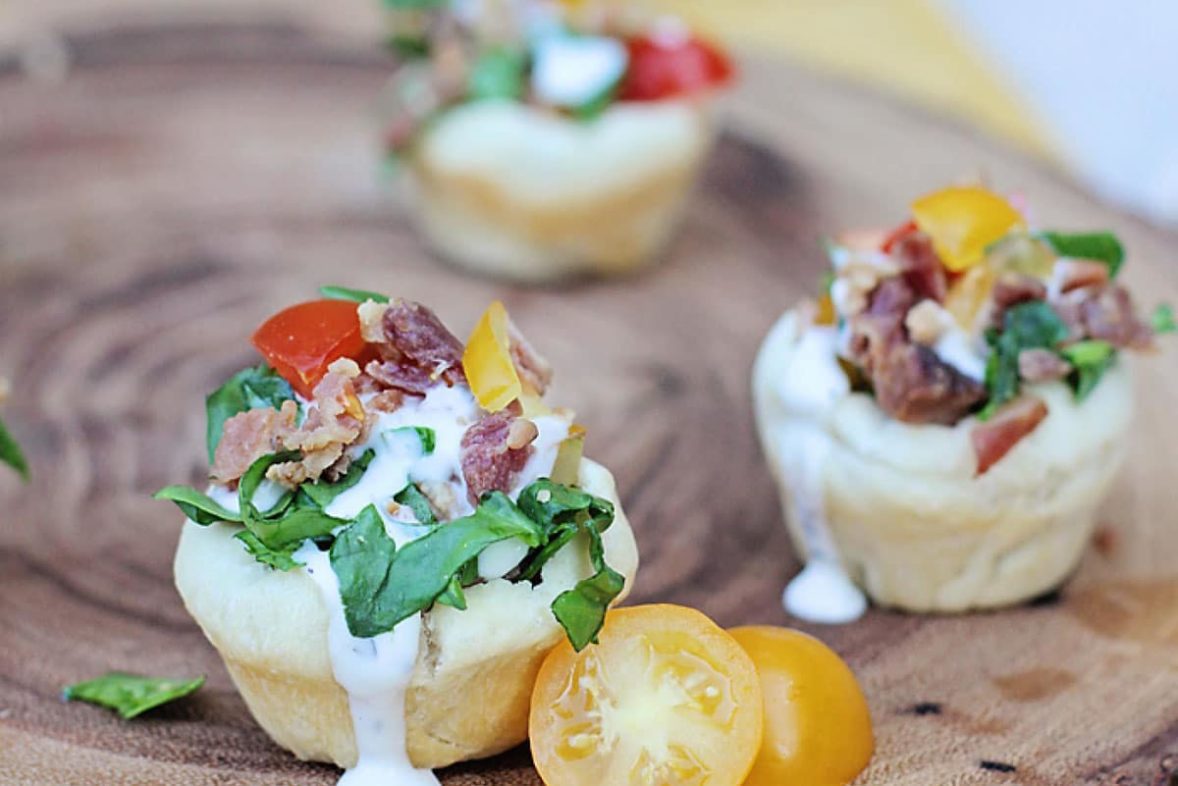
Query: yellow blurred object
point(825, 313)
point(908, 46)
point(968, 294)
point(817, 724)
point(962, 221)
point(487, 361)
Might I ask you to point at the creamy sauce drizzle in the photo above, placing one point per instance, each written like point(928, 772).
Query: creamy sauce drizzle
point(810, 387)
point(376, 672)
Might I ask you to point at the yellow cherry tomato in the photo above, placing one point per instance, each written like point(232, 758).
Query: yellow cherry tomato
point(487, 361)
point(664, 697)
point(817, 726)
point(962, 221)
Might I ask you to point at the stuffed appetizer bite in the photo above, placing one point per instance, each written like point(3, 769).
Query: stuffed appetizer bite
point(544, 142)
point(945, 421)
point(396, 532)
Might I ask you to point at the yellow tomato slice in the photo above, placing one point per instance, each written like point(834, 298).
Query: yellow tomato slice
point(962, 221)
point(665, 698)
point(817, 725)
point(487, 361)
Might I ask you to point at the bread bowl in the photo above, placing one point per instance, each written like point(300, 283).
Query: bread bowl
point(383, 576)
point(944, 424)
point(552, 146)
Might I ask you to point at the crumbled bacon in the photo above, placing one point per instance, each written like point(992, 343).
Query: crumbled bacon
point(489, 461)
point(912, 384)
point(996, 437)
point(416, 351)
point(1042, 365)
point(247, 436)
point(1108, 314)
point(336, 421)
point(534, 371)
point(1069, 274)
point(921, 267)
point(1010, 290)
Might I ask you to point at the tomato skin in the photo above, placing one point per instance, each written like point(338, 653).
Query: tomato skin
point(662, 67)
point(895, 235)
point(300, 342)
point(817, 724)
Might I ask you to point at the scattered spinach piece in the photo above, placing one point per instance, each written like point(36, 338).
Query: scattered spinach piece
point(279, 559)
point(1089, 359)
point(280, 526)
point(380, 586)
point(198, 507)
point(355, 295)
point(11, 454)
point(412, 497)
point(247, 487)
point(1162, 320)
point(1032, 325)
point(498, 73)
point(1100, 246)
point(249, 388)
point(581, 610)
point(322, 493)
point(130, 694)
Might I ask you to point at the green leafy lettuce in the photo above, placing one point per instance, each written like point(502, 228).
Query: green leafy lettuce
point(130, 694)
point(248, 389)
point(11, 454)
point(1099, 246)
point(1033, 325)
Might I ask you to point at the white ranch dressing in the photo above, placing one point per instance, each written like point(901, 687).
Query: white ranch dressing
point(810, 387)
point(572, 71)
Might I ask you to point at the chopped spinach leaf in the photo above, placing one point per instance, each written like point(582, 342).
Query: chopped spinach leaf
point(412, 497)
point(381, 588)
point(279, 559)
point(581, 610)
point(498, 73)
point(453, 595)
point(410, 47)
point(11, 454)
point(551, 504)
point(322, 493)
point(1089, 359)
point(198, 507)
point(252, 479)
point(130, 694)
point(1099, 246)
point(1032, 325)
point(355, 295)
point(284, 523)
point(1162, 320)
point(248, 389)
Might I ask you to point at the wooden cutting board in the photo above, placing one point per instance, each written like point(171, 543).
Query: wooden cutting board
point(185, 182)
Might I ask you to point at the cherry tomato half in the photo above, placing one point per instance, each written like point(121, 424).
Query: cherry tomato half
point(664, 66)
point(300, 342)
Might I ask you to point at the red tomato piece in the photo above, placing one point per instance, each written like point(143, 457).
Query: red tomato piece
point(664, 66)
point(300, 342)
point(895, 235)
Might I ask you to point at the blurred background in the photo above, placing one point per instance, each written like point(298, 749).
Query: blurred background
point(1087, 85)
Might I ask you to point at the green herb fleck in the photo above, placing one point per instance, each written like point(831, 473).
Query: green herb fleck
point(498, 74)
point(129, 694)
point(1089, 359)
point(354, 295)
point(1099, 246)
point(1162, 320)
point(11, 454)
point(248, 389)
point(1033, 325)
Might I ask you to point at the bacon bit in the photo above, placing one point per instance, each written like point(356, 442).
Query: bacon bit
point(1010, 290)
point(1069, 274)
point(535, 373)
point(488, 460)
point(913, 385)
point(1108, 314)
point(247, 436)
point(416, 350)
point(386, 401)
point(1105, 540)
point(331, 426)
point(996, 437)
point(1042, 365)
point(921, 267)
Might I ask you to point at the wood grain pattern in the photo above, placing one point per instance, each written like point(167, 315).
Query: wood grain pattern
point(184, 183)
